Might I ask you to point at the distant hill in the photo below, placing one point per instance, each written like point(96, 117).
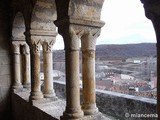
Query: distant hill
point(118, 51)
point(125, 51)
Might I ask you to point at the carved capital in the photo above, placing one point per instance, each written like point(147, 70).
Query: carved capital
point(89, 40)
point(47, 45)
point(25, 49)
point(71, 37)
point(39, 35)
point(16, 47)
point(35, 46)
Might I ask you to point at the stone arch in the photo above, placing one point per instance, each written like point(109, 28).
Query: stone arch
point(43, 15)
point(21, 53)
point(42, 33)
point(18, 28)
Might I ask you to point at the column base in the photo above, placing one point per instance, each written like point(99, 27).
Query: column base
point(49, 94)
point(90, 109)
point(17, 86)
point(72, 114)
point(35, 95)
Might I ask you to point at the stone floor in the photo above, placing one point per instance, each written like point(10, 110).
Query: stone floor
point(56, 107)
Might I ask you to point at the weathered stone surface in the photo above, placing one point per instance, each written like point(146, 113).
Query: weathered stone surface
point(4, 59)
point(75, 22)
point(72, 45)
point(35, 72)
point(5, 69)
point(30, 112)
point(88, 73)
point(18, 27)
point(78, 17)
point(5, 72)
point(48, 66)
point(116, 104)
point(84, 9)
point(44, 109)
point(7, 79)
point(44, 13)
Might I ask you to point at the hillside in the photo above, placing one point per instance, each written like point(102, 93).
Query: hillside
point(125, 50)
point(117, 51)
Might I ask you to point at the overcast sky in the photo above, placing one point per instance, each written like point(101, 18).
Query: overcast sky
point(125, 23)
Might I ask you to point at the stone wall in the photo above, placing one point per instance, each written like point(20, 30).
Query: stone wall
point(119, 105)
point(23, 110)
point(116, 104)
point(5, 73)
point(110, 103)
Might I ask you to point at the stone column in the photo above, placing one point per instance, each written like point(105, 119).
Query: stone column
point(26, 67)
point(73, 109)
point(72, 24)
point(156, 24)
point(48, 69)
point(35, 70)
point(16, 65)
point(88, 73)
point(152, 12)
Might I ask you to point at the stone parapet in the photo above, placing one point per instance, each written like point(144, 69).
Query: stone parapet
point(116, 104)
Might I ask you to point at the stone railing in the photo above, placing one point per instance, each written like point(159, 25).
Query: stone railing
point(117, 104)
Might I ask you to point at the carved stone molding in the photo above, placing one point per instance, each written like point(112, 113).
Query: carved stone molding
point(80, 22)
point(89, 40)
point(25, 49)
point(71, 37)
point(35, 46)
point(16, 47)
point(72, 29)
point(42, 33)
point(86, 9)
point(36, 38)
point(20, 39)
point(47, 45)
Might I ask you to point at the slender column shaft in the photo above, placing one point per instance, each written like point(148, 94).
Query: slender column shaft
point(73, 109)
point(26, 67)
point(17, 67)
point(88, 74)
point(35, 73)
point(72, 85)
point(48, 71)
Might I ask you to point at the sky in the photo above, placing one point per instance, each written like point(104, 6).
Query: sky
point(125, 23)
